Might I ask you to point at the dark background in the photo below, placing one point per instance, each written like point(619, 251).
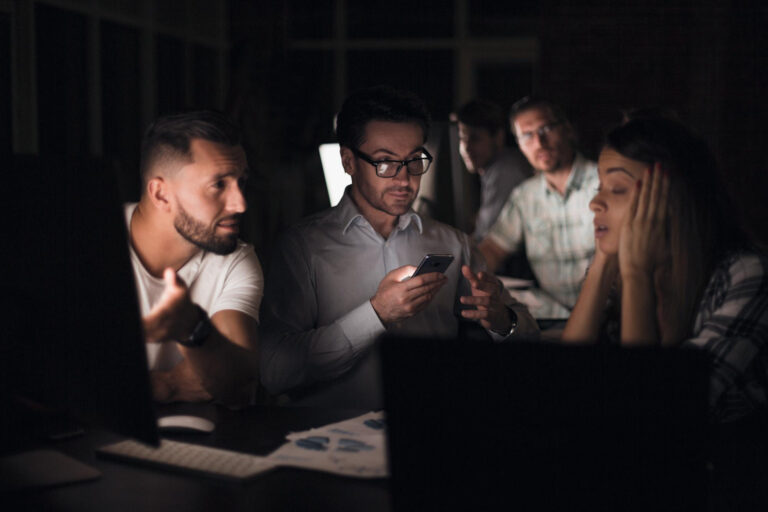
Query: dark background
point(83, 78)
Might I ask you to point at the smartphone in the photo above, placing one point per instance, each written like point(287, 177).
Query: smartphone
point(433, 263)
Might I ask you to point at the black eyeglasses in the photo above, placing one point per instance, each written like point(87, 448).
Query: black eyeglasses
point(526, 138)
point(390, 168)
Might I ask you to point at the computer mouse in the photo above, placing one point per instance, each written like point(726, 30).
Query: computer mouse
point(185, 423)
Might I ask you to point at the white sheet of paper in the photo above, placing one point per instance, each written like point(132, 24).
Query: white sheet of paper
point(354, 447)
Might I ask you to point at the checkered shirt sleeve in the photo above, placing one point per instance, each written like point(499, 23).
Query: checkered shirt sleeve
point(732, 326)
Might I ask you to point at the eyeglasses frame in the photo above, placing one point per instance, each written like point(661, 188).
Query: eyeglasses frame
point(403, 163)
point(540, 131)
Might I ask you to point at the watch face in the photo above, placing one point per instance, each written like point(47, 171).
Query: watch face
point(201, 331)
point(512, 321)
point(512, 318)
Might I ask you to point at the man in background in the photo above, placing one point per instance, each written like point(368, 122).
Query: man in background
point(548, 214)
point(482, 144)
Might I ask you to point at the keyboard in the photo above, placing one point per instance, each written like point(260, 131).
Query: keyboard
point(189, 458)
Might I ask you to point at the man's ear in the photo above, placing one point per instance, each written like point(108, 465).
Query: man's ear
point(157, 191)
point(348, 160)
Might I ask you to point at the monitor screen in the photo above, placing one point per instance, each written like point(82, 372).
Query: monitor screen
point(336, 180)
point(74, 339)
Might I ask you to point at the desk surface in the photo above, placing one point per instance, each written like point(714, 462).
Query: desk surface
point(257, 430)
point(740, 476)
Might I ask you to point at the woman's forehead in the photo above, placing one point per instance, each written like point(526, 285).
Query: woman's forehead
point(612, 162)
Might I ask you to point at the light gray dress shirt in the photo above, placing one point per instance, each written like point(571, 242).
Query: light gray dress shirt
point(318, 322)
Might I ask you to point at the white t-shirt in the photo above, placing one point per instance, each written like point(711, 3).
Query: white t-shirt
point(232, 281)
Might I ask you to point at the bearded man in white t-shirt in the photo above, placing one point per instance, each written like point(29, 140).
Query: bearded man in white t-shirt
point(199, 286)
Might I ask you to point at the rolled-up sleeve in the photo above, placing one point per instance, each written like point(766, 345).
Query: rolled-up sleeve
point(507, 231)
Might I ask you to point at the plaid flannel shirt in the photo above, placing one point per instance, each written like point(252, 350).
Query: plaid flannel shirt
point(557, 231)
point(732, 325)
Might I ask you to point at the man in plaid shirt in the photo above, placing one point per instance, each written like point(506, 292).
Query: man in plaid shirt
point(549, 213)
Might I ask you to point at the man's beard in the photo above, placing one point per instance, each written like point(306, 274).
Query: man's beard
point(198, 234)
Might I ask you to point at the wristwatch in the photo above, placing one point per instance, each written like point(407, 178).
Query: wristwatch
point(512, 322)
point(201, 331)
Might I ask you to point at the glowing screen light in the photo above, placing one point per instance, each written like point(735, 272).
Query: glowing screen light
point(336, 180)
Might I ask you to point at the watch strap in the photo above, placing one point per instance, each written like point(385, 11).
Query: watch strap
point(513, 323)
point(201, 331)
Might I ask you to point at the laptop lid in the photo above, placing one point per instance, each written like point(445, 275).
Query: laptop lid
point(476, 426)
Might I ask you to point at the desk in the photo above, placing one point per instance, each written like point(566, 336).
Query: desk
point(740, 479)
point(257, 430)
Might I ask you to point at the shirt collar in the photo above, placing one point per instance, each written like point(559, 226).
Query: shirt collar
point(575, 178)
point(578, 170)
point(349, 215)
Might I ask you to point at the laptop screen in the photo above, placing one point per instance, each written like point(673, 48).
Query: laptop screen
point(75, 342)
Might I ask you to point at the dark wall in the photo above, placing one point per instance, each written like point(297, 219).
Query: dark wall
point(703, 59)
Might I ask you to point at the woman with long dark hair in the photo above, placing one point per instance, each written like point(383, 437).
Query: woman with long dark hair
point(671, 265)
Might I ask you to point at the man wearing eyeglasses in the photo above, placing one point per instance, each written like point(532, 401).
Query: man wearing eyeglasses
point(341, 278)
point(548, 213)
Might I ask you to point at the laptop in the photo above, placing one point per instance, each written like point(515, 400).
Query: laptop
point(544, 426)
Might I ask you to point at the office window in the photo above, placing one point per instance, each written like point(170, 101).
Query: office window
point(400, 19)
point(504, 82)
point(129, 7)
point(201, 18)
point(206, 78)
point(170, 72)
point(491, 18)
point(62, 81)
point(308, 19)
point(171, 13)
point(6, 109)
point(121, 94)
point(307, 98)
point(429, 73)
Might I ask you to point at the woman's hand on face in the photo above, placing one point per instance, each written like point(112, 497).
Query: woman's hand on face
point(642, 242)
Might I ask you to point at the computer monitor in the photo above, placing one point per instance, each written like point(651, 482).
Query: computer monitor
point(336, 179)
point(73, 340)
point(530, 425)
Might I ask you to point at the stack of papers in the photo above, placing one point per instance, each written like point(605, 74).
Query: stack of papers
point(354, 447)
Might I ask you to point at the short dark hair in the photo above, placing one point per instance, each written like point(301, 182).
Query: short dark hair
point(379, 103)
point(169, 136)
point(530, 102)
point(482, 114)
